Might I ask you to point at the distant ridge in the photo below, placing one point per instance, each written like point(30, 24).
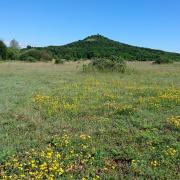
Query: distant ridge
point(100, 46)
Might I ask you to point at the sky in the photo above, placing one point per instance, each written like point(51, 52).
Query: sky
point(148, 23)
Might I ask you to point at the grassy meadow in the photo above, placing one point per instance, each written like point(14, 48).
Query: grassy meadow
point(57, 122)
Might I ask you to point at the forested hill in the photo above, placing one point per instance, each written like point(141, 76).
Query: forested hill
point(100, 46)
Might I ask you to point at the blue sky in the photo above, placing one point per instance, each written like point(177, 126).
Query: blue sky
point(148, 23)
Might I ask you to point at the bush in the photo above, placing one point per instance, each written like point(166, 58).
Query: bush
point(30, 54)
point(45, 56)
point(12, 54)
point(163, 60)
point(34, 55)
point(31, 59)
point(112, 64)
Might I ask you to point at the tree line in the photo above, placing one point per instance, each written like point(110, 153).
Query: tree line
point(11, 52)
point(92, 47)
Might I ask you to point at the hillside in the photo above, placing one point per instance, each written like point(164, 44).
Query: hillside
point(100, 46)
point(97, 46)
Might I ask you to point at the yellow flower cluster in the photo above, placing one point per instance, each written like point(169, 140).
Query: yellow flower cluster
point(171, 95)
point(154, 163)
point(174, 121)
point(171, 152)
point(36, 165)
point(68, 106)
point(84, 136)
point(61, 159)
point(162, 98)
point(41, 98)
point(52, 104)
point(134, 162)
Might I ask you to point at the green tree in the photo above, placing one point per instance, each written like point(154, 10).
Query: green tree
point(12, 54)
point(29, 47)
point(14, 44)
point(3, 50)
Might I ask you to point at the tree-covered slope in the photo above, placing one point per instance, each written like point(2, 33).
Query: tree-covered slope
point(99, 46)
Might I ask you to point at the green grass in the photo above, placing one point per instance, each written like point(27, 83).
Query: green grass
point(128, 116)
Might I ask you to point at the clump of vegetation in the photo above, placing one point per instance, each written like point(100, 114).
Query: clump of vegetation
point(163, 60)
point(174, 121)
point(12, 54)
point(34, 55)
point(111, 64)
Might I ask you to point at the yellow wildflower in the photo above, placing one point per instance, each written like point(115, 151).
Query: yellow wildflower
point(154, 163)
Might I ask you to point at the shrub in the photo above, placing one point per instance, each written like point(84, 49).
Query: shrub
point(34, 55)
point(163, 60)
point(30, 54)
point(112, 64)
point(45, 56)
point(12, 54)
point(31, 59)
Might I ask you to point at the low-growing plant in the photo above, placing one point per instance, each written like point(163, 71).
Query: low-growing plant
point(63, 158)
